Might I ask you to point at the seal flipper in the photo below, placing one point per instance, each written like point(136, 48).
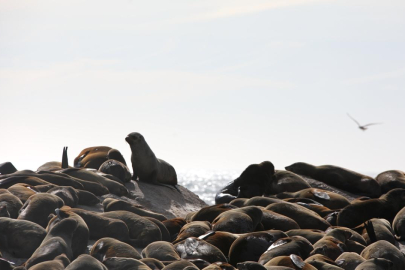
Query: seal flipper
point(368, 225)
point(65, 163)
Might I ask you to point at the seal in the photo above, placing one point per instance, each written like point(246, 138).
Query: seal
point(349, 260)
point(108, 247)
point(311, 235)
point(161, 250)
point(39, 206)
point(306, 219)
point(86, 175)
point(285, 181)
point(119, 263)
point(117, 169)
point(286, 246)
point(152, 263)
point(272, 220)
point(111, 204)
point(209, 213)
point(391, 179)
point(174, 226)
point(93, 157)
point(22, 191)
point(194, 248)
point(80, 236)
point(222, 240)
point(293, 261)
point(12, 203)
point(194, 228)
point(251, 246)
point(322, 262)
point(376, 264)
point(100, 226)
point(57, 242)
point(398, 225)
point(7, 168)
point(183, 264)
point(59, 263)
point(14, 235)
point(142, 231)
point(338, 177)
point(86, 261)
point(240, 220)
point(145, 166)
point(376, 229)
point(385, 250)
point(387, 206)
point(326, 198)
point(252, 182)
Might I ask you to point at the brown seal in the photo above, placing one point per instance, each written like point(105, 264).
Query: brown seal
point(322, 262)
point(194, 228)
point(57, 242)
point(11, 202)
point(146, 167)
point(222, 240)
point(111, 204)
point(349, 260)
point(100, 226)
point(387, 206)
point(285, 181)
point(14, 235)
point(338, 177)
point(293, 261)
point(327, 198)
point(252, 182)
point(22, 191)
point(86, 261)
point(93, 157)
point(286, 246)
point(194, 248)
point(174, 226)
point(240, 220)
point(86, 175)
point(80, 236)
point(209, 213)
point(109, 247)
point(391, 179)
point(38, 207)
point(119, 263)
point(117, 169)
point(306, 219)
point(161, 250)
point(251, 246)
point(59, 263)
point(142, 231)
point(272, 220)
point(7, 168)
point(376, 264)
point(385, 250)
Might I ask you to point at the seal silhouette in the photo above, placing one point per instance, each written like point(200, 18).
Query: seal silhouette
point(338, 177)
point(145, 166)
point(252, 182)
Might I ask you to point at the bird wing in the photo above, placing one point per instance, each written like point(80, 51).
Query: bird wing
point(372, 124)
point(353, 119)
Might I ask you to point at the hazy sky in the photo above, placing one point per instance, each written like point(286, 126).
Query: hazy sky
point(211, 84)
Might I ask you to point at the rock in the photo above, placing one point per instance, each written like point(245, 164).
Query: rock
point(166, 200)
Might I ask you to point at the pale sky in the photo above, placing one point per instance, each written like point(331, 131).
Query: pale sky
point(213, 84)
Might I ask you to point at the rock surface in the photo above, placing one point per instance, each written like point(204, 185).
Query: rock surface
point(166, 200)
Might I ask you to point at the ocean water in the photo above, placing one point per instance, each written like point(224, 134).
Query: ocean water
point(206, 183)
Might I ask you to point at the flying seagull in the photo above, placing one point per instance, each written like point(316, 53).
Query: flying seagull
point(363, 127)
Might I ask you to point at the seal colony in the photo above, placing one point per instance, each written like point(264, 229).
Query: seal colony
point(87, 217)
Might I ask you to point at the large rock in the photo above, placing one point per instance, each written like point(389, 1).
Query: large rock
point(166, 200)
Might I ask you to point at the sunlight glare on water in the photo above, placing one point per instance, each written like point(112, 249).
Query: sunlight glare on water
point(205, 183)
